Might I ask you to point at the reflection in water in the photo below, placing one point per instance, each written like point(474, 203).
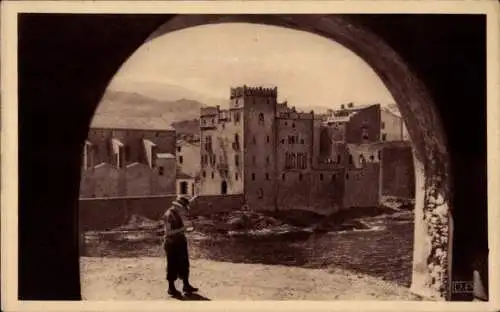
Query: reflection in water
point(385, 253)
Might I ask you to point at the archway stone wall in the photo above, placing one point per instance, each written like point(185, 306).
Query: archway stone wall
point(432, 243)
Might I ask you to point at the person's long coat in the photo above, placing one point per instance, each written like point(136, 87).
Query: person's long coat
point(175, 246)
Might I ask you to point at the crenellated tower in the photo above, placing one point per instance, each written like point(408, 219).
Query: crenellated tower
point(258, 105)
point(238, 151)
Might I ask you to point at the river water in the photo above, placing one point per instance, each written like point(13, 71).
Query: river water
point(384, 250)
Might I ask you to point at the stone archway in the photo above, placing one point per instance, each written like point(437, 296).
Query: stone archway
point(432, 243)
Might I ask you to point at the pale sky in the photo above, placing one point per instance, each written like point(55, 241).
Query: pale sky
point(203, 62)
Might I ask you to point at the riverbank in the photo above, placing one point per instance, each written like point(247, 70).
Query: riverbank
point(143, 278)
point(243, 222)
point(384, 250)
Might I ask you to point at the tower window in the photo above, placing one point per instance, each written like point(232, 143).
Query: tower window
point(236, 176)
point(293, 125)
point(254, 140)
point(301, 141)
point(383, 125)
point(179, 149)
point(236, 160)
point(267, 160)
point(365, 134)
point(338, 159)
point(384, 137)
point(213, 175)
point(321, 176)
point(181, 159)
point(261, 119)
point(204, 174)
point(379, 155)
point(267, 176)
point(253, 176)
point(347, 176)
point(300, 176)
point(350, 159)
point(161, 170)
point(253, 159)
point(268, 139)
point(283, 176)
point(260, 193)
point(372, 157)
point(333, 177)
point(208, 143)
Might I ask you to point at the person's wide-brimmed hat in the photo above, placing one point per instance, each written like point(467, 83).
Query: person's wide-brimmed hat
point(181, 202)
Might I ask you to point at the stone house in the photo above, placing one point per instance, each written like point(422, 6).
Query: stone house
point(366, 123)
point(128, 162)
point(102, 180)
point(188, 167)
point(188, 157)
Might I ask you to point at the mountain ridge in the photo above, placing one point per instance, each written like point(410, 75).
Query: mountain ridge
point(130, 109)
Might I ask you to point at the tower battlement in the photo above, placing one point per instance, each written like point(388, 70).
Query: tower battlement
point(253, 91)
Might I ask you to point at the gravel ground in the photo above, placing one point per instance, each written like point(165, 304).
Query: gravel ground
point(143, 278)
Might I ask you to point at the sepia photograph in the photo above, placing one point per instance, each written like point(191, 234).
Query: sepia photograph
point(163, 155)
point(283, 170)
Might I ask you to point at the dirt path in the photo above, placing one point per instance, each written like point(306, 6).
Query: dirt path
point(144, 279)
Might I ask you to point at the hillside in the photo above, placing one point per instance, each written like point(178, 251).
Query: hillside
point(121, 109)
point(126, 109)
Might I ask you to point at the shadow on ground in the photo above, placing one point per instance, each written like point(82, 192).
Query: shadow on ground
point(190, 297)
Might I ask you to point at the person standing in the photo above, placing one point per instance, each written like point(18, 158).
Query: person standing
point(176, 248)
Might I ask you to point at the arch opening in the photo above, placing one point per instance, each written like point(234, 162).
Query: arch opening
point(223, 188)
point(432, 190)
point(184, 188)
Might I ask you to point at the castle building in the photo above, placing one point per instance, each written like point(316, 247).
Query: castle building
point(280, 158)
point(128, 162)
